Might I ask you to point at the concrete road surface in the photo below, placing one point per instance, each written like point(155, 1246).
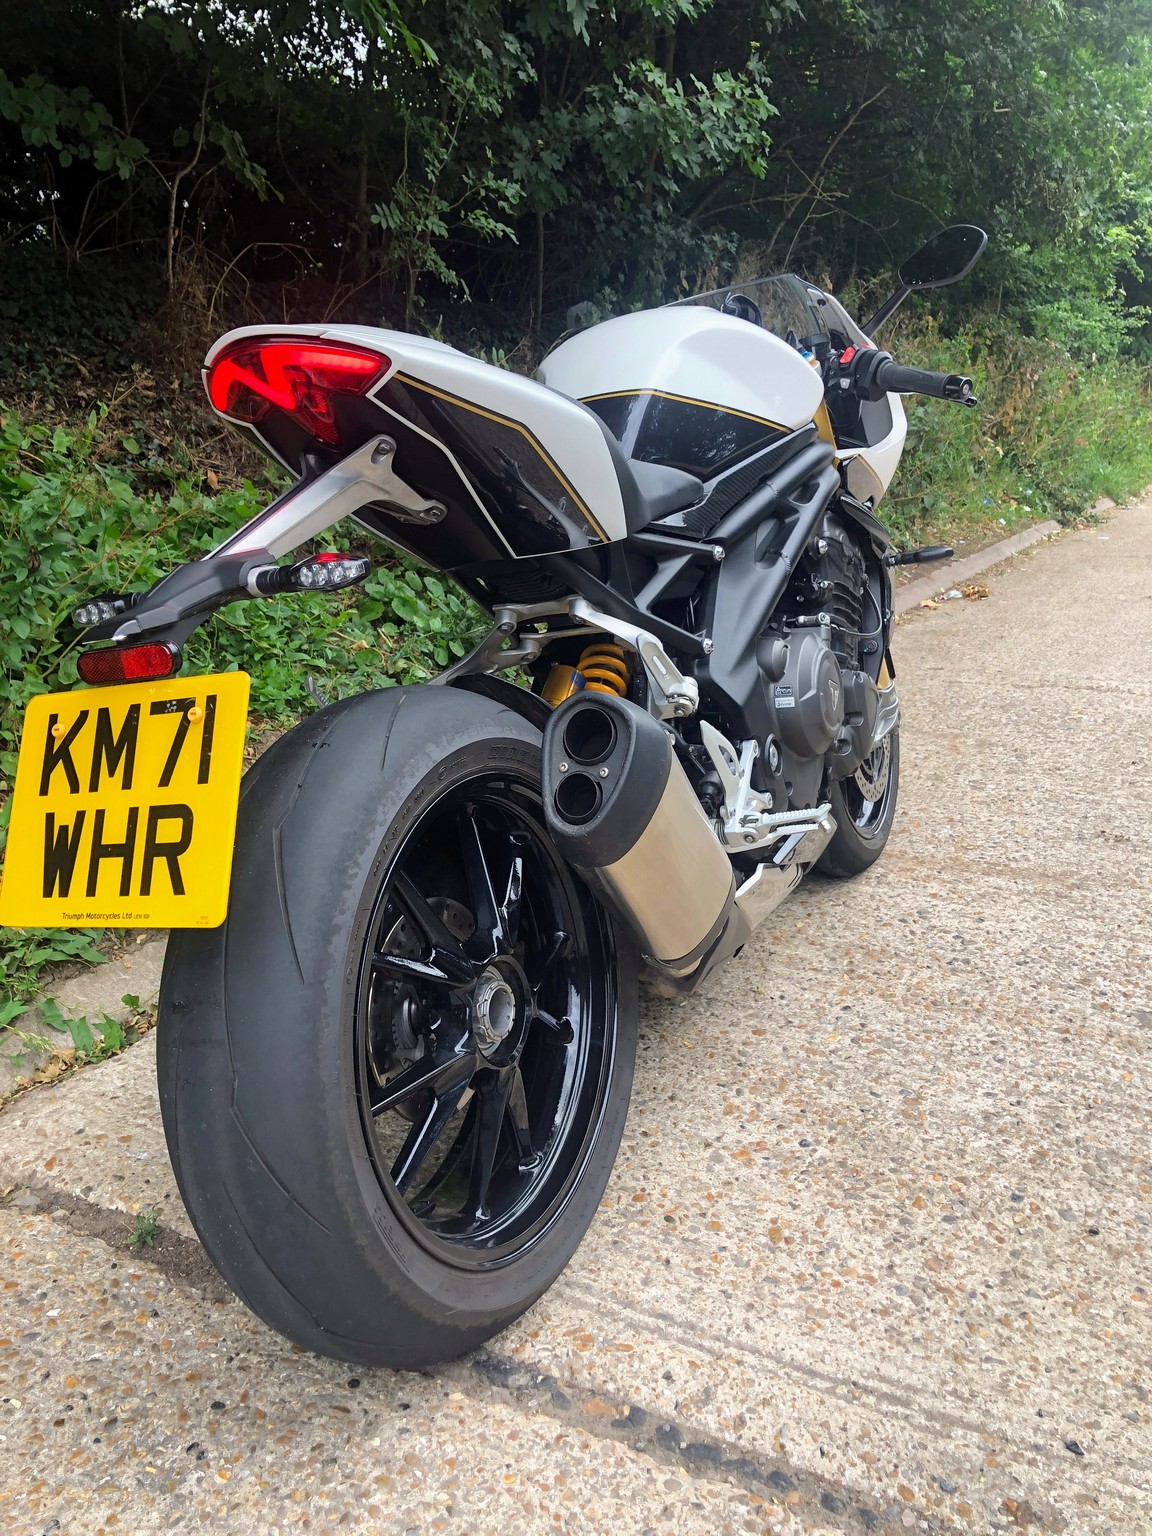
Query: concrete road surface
point(875, 1254)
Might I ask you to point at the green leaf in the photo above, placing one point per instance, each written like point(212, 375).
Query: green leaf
point(11, 1009)
point(51, 1015)
point(112, 1034)
point(82, 1037)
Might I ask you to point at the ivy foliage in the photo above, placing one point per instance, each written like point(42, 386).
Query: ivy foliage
point(80, 514)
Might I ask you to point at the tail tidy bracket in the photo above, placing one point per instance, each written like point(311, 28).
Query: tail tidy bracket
point(311, 508)
point(180, 600)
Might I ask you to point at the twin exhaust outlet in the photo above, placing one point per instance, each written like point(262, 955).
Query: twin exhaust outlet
point(620, 809)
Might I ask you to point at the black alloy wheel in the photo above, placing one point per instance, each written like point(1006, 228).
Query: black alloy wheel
point(864, 805)
point(867, 791)
point(481, 1048)
point(394, 1081)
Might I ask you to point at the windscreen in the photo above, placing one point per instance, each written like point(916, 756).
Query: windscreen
point(789, 307)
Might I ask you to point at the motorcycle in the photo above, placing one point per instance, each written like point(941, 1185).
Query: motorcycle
point(399, 1009)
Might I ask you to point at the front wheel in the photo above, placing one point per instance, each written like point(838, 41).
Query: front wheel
point(864, 805)
point(394, 1082)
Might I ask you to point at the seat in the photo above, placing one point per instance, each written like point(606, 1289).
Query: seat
point(663, 490)
point(649, 491)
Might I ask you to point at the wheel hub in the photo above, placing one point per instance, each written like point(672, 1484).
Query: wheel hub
point(494, 1011)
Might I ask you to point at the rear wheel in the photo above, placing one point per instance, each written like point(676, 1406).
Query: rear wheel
point(864, 805)
point(395, 1080)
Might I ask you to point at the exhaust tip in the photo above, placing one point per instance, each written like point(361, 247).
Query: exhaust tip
point(577, 799)
point(589, 736)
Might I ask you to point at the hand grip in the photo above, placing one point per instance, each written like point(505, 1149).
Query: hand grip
point(892, 377)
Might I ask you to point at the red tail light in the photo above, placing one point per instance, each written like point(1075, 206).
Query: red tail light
point(129, 663)
point(252, 378)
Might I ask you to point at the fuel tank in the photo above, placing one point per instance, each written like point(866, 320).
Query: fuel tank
point(687, 386)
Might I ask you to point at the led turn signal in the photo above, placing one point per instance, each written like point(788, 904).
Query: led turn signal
point(327, 572)
point(99, 609)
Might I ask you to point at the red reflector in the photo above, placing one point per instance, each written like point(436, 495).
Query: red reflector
point(128, 664)
point(253, 378)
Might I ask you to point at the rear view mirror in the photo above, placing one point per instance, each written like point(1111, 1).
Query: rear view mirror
point(947, 257)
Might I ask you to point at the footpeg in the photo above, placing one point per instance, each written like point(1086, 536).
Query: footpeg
point(923, 556)
point(778, 876)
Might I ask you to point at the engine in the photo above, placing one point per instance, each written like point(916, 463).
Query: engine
point(822, 703)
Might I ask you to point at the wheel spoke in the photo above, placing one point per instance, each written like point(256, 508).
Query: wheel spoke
point(425, 1134)
point(561, 1028)
point(489, 933)
point(540, 964)
point(448, 955)
point(510, 906)
point(518, 1120)
point(491, 1103)
point(441, 1070)
point(431, 970)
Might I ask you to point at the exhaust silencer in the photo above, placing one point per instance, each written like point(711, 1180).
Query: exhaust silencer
point(621, 810)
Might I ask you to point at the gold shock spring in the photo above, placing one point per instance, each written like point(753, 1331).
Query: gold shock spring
point(604, 668)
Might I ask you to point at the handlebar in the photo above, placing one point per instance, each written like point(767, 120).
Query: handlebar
point(893, 378)
point(872, 375)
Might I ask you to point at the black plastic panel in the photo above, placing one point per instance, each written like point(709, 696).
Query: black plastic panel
point(691, 435)
point(506, 500)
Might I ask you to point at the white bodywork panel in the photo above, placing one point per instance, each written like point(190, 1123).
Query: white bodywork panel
point(568, 433)
point(690, 352)
point(870, 470)
point(694, 353)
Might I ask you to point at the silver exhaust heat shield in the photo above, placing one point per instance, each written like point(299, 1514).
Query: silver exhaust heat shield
point(779, 875)
point(621, 810)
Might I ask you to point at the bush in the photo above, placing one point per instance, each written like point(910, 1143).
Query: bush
point(1051, 434)
point(80, 514)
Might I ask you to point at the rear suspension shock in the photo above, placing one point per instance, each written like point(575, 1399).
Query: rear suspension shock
point(602, 668)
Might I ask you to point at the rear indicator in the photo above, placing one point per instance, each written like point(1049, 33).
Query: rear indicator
point(129, 663)
point(253, 378)
point(98, 610)
point(326, 572)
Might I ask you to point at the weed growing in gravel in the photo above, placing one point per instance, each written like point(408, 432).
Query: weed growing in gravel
point(89, 1041)
point(25, 952)
point(146, 1229)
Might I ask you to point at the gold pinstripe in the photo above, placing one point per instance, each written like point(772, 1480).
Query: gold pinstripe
point(707, 405)
point(505, 421)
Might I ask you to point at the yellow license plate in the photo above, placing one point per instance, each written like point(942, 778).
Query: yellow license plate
point(124, 809)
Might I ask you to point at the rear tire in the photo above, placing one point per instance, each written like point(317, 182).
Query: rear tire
point(864, 805)
point(392, 1095)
